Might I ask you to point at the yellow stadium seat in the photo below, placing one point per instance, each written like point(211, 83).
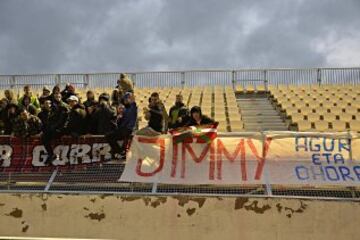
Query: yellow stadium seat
point(313, 117)
point(260, 88)
point(236, 126)
point(250, 89)
point(355, 125)
point(321, 126)
point(346, 117)
point(304, 126)
point(338, 126)
point(351, 109)
point(306, 110)
point(296, 117)
point(239, 89)
point(329, 117)
point(291, 110)
point(336, 110)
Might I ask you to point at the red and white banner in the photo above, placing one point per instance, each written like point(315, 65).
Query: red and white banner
point(18, 154)
point(274, 157)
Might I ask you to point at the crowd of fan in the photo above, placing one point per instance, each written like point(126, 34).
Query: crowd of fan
point(57, 113)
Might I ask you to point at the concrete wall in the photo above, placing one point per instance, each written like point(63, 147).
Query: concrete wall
point(122, 217)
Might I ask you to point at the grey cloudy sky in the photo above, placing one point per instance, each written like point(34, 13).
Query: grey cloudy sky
point(38, 36)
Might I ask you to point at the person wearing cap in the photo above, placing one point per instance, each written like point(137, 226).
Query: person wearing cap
point(125, 125)
point(124, 84)
point(104, 115)
point(197, 118)
point(26, 124)
point(33, 99)
point(45, 95)
point(76, 123)
point(55, 128)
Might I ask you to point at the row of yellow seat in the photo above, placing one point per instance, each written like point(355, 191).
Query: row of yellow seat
point(320, 108)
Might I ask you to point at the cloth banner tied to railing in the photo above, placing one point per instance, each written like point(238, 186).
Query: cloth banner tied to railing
point(247, 158)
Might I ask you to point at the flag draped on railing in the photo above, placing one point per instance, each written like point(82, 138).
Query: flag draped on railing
point(202, 133)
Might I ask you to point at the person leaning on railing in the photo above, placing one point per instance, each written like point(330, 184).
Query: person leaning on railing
point(125, 124)
point(197, 118)
point(26, 124)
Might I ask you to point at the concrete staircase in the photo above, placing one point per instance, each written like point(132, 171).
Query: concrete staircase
point(258, 114)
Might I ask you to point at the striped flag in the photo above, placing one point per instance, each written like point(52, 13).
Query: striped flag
point(202, 133)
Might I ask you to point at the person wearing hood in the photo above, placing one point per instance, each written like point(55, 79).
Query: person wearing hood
point(55, 128)
point(9, 95)
point(33, 99)
point(178, 114)
point(45, 95)
point(10, 116)
point(55, 90)
point(125, 124)
point(104, 115)
point(76, 123)
point(197, 118)
point(26, 103)
point(68, 92)
point(124, 84)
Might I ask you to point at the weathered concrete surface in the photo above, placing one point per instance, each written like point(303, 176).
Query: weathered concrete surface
point(117, 217)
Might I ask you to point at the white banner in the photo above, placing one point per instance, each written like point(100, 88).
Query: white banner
point(274, 157)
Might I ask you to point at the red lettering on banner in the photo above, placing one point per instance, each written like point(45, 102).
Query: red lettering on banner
point(240, 148)
point(187, 147)
point(261, 159)
point(157, 141)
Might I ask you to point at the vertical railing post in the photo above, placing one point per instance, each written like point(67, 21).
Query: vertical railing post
point(182, 79)
point(58, 79)
point(268, 188)
point(12, 82)
point(133, 78)
point(319, 76)
point(86, 80)
point(265, 80)
point(233, 79)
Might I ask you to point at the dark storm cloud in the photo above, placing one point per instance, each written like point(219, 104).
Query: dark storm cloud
point(90, 36)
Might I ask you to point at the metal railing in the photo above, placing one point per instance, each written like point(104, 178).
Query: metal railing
point(103, 178)
point(192, 78)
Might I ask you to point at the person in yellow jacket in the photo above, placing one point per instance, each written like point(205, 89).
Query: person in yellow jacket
point(33, 99)
point(124, 84)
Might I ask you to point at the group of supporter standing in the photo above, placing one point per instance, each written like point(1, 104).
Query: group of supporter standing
point(56, 113)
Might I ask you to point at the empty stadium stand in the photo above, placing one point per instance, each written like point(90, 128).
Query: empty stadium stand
point(322, 108)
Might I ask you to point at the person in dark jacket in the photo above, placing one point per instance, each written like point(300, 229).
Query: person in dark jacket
point(11, 114)
point(178, 114)
point(125, 123)
point(44, 114)
point(104, 116)
point(9, 95)
point(197, 118)
point(56, 125)
point(3, 113)
point(68, 92)
point(76, 123)
point(90, 105)
point(26, 103)
point(55, 90)
point(90, 99)
point(26, 124)
point(154, 114)
point(116, 98)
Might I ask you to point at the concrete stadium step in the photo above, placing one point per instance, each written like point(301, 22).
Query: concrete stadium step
point(258, 114)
